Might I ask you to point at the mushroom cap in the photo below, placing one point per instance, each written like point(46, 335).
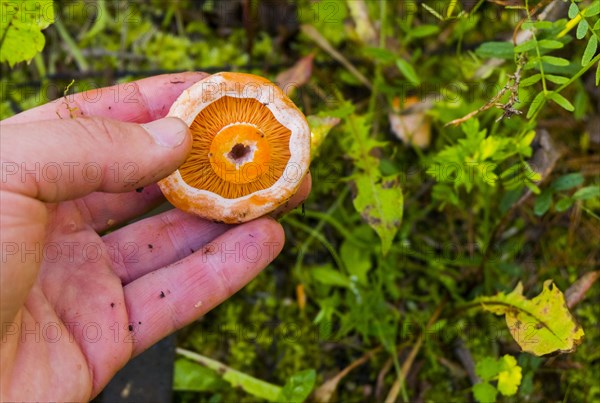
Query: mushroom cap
point(242, 165)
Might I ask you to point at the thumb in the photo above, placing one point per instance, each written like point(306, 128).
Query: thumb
point(65, 159)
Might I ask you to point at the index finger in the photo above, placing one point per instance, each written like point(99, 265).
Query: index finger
point(139, 101)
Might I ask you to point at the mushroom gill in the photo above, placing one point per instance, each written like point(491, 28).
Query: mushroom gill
point(238, 148)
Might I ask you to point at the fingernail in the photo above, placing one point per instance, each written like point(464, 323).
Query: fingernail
point(167, 132)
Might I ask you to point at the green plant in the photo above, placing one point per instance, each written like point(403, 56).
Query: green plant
point(21, 28)
point(504, 370)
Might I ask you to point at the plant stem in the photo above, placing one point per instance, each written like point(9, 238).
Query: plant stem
point(319, 237)
point(254, 386)
point(72, 46)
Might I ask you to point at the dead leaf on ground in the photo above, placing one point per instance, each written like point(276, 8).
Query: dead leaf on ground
point(410, 123)
point(296, 76)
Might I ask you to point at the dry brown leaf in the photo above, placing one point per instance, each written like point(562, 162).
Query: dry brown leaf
point(324, 44)
point(411, 125)
point(324, 393)
point(296, 76)
point(364, 27)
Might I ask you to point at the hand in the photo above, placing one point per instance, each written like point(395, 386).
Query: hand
point(75, 306)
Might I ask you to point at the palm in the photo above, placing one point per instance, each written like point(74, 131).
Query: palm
point(76, 311)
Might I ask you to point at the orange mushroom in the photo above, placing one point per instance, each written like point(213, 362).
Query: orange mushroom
point(250, 152)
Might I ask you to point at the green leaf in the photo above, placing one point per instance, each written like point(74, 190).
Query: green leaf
point(381, 205)
point(378, 200)
point(556, 79)
point(20, 29)
point(588, 192)
point(582, 29)
point(383, 55)
point(563, 204)
point(590, 50)
point(192, 376)
point(567, 181)
point(345, 109)
point(407, 71)
point(555, 61)
point(573, 10)
point(298, 386)
point(540, 326)
point(509, 377)
point(424, 30)
point(533, 187)
point(102, 20)
point(550, 44)
point(356, 260)
point(526, 142)
point(537, 25)
point(501, 50)
point(509, 199)
point(543, 202)
point(487, 368)
point(536, 104)
point(525, 46)
point(320, 126)
point(484, 392)
point(561, 101)
point(237, 379)
point(531, 80)
point(327, 275)
point(593, 9)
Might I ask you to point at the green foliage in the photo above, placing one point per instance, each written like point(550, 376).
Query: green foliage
point(378, 199)
point(558, 188)
point(194, 377)
point(191, 376)
point(21, 26)
point(298, 386)
point(249, 384)
point(472, 163)
point(505, 371)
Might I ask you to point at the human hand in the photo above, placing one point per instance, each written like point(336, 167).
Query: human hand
point(75, 306)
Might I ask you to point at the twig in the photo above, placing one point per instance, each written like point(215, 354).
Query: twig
point(576, 292)
point(466, 359)
point(325, 392)
point(512, 86)
point(320, 40)
point(72, 46)
point(391, 397)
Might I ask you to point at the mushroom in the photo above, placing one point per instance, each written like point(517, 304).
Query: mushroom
point(250, 150)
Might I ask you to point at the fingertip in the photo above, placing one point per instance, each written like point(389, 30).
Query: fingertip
point(170, 132)
point(305, 188)
point(298, 198)
point(276, 232)
point(265, 233)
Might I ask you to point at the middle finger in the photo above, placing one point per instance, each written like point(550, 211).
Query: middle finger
point(158, 241)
